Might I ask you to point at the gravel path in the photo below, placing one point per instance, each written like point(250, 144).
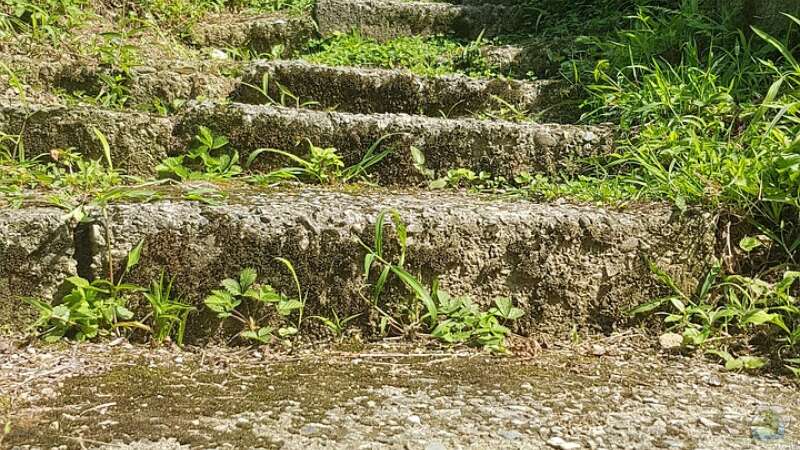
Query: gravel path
point(602, 394)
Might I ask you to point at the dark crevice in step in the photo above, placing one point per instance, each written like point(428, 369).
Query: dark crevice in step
point(82, 239)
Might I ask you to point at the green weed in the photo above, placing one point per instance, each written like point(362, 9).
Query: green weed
point(210, 158)
point(732, 311)
point(169, 314)
point(424, 56)
point(322, 165)
point(238, 296)
point(90, 309)
point(429, 310)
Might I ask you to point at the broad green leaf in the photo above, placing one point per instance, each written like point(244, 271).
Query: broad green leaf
point(750, 243)
point(287, 331)
point(503, 305)
point(247, 277)
point(647, 307)
point(123, 313)
point(417, 156)
point(759, 317)
point(439, 183)
point(79, 282)
point(134, 256)
point(232, 286)
point(61, 312)
point(677, 304)
point(746, 362)
point(421, 293)
point(286, 307)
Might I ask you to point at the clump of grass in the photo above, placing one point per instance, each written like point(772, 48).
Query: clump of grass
point(709, 115)
point(423, 56)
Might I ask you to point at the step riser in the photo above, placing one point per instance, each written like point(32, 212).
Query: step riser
point(501, 148)
point(391, 91)
point(37, 253)
point(140, 141)
point(522, 61)
point(144, 86)
point(384, 20)
point(564, 265)
point(344, 89)
point(260, 36)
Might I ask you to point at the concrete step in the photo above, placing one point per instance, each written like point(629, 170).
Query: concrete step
point(501, 148)
point(564, 264)
point(140, 141)
point(387, 397)
point(260, 34)
point(37, 254)
point(388, 19)
point(364, 90)
point(346, 89)
point(165, 82)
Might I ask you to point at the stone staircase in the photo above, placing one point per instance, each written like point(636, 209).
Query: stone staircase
point(575, 269)
point(567, 265)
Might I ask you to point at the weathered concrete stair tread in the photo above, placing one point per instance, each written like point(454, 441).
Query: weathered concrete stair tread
point(388, 19)
point(260, 34)
point(387, 397)
point(398, 91)
point(502, 148)
point(139, 141)
point(166, 82)
point(564, 264)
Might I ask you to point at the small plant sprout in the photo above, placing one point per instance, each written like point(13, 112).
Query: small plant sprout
point(335, 324)
point(285, 96)
point(168, 313)
point(209, 159)
point(238, 296)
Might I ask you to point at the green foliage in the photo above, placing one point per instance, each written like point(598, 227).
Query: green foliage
point(43, 20)
point(448, 319)
point(66, 170)
point(731, 308)
point(90, 309)
point(709, 116)
point(423, 56)
point(169, 313)
point(322, 165)
point(209, 159)
point(335, 324)
point(237, 298)
point(285, 96)
point(462, 322)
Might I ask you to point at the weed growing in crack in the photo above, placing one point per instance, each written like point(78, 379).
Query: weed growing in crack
point(322, 165)
point(285, 95)
point(731, 314)
point(335, 324)
point(169, 314)
point(423, 56)
point(239, 298)
point(90, 309)
point(430, 311)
